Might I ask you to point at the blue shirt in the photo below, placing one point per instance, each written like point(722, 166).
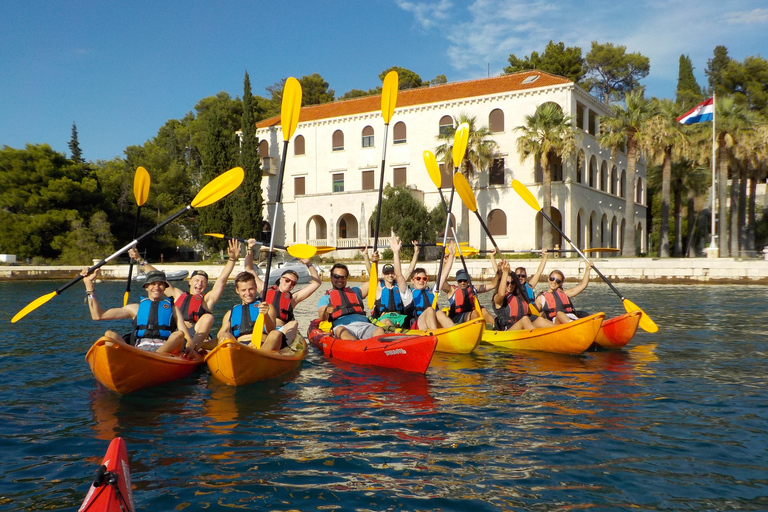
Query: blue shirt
point(325, 300)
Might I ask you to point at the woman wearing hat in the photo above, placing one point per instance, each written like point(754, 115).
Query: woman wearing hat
point(155, 318)
point(196, 305)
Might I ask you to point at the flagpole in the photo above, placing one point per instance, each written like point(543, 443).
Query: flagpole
point(713, 246)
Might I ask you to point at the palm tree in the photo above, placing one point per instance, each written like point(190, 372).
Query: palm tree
point(627, 125)
point(665, 142)
point(479, 156)
point(546, 135)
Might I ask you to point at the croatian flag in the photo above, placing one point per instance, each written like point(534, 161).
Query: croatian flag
point(700, 113)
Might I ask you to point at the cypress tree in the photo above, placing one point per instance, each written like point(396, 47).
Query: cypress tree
point(216, 151)
point(715, 67)
point(688, 90)
point(74, 146)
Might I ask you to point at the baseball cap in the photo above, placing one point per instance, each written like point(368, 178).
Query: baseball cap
point(461, 275)
point(388, 269)
point(199, 273)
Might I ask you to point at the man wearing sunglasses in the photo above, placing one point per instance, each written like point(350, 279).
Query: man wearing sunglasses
point(555, 304)
point(196, 305)
point(345, 307)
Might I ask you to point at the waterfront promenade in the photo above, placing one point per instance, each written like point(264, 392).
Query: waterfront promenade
point(629, 270)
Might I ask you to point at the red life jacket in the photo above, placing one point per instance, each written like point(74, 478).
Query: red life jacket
point(282, 302)
point(191, 306)
point(554, 302)
point(344, 302)
point(462, 301)
point(510, 312)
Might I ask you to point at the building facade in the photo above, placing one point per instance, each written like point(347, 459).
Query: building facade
point(331, 179)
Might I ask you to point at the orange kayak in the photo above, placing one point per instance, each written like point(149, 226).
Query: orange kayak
point(237, 364)
point(617, 332)
point(571, 338)
point(124, 369)
point(459, 339)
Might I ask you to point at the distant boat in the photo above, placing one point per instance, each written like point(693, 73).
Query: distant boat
point(281, 266)
point(174, 275)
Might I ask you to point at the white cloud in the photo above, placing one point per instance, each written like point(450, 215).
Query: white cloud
point(746, 17)
point(427, 14)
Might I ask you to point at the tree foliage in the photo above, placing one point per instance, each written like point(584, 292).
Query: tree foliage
point(688, 91)
point(556, 59)
point(74, 146)
point(406, 216)
point(247, 199)
point(407, 79)
point(612, 72)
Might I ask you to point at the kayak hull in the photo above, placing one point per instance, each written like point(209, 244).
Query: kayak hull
point(398, 351)
point(618, 331)
point(458, 339)
point(105, 494)
point(237, 364)
point(173, 275)
point(124, 369)
point(571, 338)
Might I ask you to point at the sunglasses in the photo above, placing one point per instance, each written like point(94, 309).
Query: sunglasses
point(290, 281)
point(419, 279)
point(462, 281)
point(523, 276)
point(509, 283)
point(338, 276)
point(556, 280)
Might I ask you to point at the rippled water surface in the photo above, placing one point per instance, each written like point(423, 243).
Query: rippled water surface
point(676, 421)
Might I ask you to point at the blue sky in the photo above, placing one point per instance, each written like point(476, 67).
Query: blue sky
point(120, 70)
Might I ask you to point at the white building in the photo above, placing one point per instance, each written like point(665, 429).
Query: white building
point(332, 170)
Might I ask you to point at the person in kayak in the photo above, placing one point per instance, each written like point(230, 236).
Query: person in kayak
point(345, 307)
point(464, 294)
point(238, 322)
point(510, 304)
point(391, 299)
point(156, 325)
point(195, 304)
point(555, 304)
point(419, 298)
point(522, 275)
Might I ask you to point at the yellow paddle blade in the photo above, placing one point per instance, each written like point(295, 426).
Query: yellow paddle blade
point(220, 187)
point(440, 244)
point(302, 251)
point(460, 144)
point(389, 96)
point(533, 309)
point(469, 251)
point(32, 306)
point(646, 323)
point(373, 282)
point(291, 107)
point(462, 187)
point(217, 235)
point(141, 186)
point(125, 299)
point(325, 249)
point(432, 168)
point(523, 192)
point(434, 301)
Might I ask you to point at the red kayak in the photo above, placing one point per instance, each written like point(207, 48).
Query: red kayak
point(401, 351)
point(617, 332)
point(111, 488)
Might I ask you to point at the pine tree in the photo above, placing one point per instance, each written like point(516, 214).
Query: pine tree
point(715, 67)
point(246, 216)
point(74, 146)
point(688, 90)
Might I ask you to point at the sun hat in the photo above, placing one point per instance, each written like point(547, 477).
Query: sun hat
point(155, 276)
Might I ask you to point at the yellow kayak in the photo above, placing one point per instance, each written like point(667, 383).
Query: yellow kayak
point(459, 339)
point(237, 364)
point(571, 338)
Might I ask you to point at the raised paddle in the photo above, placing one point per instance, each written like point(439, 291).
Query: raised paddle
point(460, 138)
point(388, 102)
point(289, 119)
point(141, 193)
point(464, 190)
point(646, 323)
point(300, 251)
point(218, 188)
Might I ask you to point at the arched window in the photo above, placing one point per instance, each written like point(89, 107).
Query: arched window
point(264, 155)
point(639, 191)
point(367, 137)
point(317, 229)
point(604, 234)
point(496, 121)
point(580, 167)
point(338, 140)
point(399, 135)
point(347, 226)
point(446, 125)
point(614, 232)
point(623, 183)
point(497, 222)
point(592, 171)
point(604, 177)
point(579, 235)
point(614, 179)
point(298, 145)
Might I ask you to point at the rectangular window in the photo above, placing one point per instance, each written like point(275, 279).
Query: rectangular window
point(496, 172)
point(266, 166)
point(592, 123)
point(338, 182)
point(298, 186)
point(368, 180)
point(368, 141)
point(579, 116)
point(446, 176)
point(399, 179)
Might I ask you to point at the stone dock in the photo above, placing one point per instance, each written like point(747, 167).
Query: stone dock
point(628, 270)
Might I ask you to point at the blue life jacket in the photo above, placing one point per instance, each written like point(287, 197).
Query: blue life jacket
point(389, 302)
point(422, 299)
point(529, 291)
point(242, 319)
point(154, 320)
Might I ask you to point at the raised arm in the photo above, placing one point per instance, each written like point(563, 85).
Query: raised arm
point(493, 260)
point(313, 285)
point(572, 292)
point(415, 258)
point(221, 282)
point(364, 252)
point(449, 258)
point(484, 288)
point(534, 280)
point(97, 312)
point(171, 291)
point(501, 289)
point(395, 244)
point(248, 264)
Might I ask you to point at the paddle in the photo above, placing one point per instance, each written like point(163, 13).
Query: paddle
point(218, 188)
point(289, 118)
point(646, 323)
point(388, 101)
point(462, 186)
point(434, 173)
point(460, 139)
point(141, 193)
point(300, 251)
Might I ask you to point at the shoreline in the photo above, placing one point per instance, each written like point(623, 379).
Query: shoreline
point(620, 270)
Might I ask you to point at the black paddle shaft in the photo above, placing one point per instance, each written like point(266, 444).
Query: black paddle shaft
point(274, 221)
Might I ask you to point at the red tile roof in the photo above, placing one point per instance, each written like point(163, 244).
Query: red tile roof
point(425, 95)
